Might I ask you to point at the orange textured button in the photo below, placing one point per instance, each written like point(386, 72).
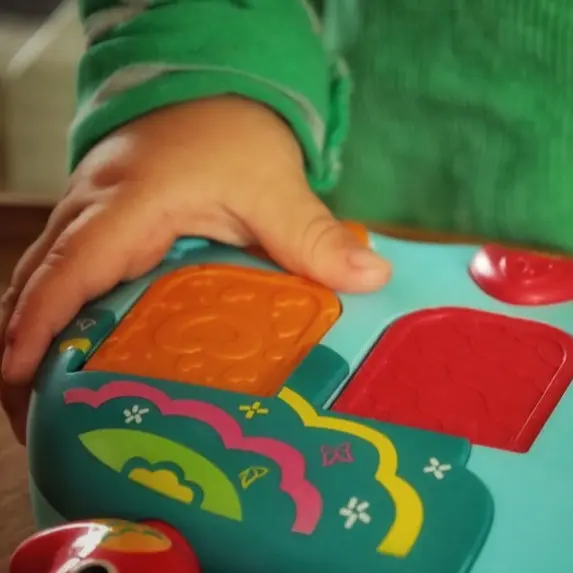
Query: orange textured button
point(226, 327)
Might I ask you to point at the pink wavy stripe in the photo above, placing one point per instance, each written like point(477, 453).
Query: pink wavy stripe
point(306, 498)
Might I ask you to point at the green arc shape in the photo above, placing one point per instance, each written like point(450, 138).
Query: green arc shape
point(115, 448)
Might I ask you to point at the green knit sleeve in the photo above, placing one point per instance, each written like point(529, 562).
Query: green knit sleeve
point(146, 54)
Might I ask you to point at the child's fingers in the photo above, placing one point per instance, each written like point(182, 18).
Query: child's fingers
point(301, 234)
point(96, 251)
point(59, 220)
point(15, 400)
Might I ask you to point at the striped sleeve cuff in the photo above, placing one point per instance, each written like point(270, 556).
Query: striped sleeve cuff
point(147, 54)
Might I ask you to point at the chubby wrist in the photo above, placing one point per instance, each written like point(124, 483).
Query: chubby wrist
point(239, 133)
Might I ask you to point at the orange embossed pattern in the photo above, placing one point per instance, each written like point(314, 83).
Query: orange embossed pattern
point(221, 326)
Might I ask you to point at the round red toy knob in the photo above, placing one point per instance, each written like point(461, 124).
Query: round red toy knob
point(105, 546)
point(521, 277)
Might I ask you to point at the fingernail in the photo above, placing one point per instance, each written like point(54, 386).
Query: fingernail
point(7, 362)
point(6, 296)
point(365, 259)
point(4, 304)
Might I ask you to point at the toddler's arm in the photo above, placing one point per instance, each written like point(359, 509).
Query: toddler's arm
point(146, 54)
point(196, 117)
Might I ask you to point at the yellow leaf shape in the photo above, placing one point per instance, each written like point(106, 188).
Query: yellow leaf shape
point(249, 476)
point(81, 344)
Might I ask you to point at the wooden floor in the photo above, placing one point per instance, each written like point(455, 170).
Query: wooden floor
point(18, 227)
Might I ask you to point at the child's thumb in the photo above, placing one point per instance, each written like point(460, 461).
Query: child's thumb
point(303, 237)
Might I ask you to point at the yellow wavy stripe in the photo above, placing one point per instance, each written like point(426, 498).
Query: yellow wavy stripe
point(409, 518)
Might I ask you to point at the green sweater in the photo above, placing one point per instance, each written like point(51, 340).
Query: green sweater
point(461, 113)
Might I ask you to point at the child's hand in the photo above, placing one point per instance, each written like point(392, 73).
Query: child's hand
point(226, 168)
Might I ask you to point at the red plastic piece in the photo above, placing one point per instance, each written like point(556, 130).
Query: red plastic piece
point(105, 546)
point(521, 277)
point(492, 379)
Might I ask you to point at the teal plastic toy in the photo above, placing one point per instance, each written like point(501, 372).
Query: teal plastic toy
point(278, 426)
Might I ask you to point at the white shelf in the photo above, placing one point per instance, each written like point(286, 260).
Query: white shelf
point(14, 33)
point(39, 92)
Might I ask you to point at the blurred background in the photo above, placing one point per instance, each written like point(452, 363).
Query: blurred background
point(28, 7)
point(40, 45)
